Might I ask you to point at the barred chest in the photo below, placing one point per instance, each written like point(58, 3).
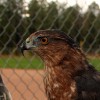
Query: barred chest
point(58, 86)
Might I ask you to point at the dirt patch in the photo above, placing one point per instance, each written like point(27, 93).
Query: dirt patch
point(24, 84)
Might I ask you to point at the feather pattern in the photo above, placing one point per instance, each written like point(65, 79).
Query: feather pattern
point(68, 75)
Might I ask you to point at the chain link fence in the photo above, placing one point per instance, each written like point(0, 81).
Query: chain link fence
point(19, 18)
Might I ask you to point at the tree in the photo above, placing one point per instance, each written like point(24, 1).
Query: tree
point(90, 28)
point(11, 23)
point(71, 20)
point(37, 14)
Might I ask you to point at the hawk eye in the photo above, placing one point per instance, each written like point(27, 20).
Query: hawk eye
point(44, 40)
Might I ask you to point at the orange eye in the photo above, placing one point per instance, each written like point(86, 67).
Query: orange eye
point(44, 40)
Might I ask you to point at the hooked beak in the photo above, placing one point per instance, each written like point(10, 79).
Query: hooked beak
point(23, 47)
point(27, 45)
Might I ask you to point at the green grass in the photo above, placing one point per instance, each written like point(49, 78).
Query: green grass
point(33, 63)
point(21, 62)
point(95, 62)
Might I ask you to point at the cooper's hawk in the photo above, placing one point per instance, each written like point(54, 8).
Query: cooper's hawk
point(69, 76)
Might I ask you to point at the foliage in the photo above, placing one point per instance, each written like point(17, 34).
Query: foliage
point(31, 63)
point(83, 27)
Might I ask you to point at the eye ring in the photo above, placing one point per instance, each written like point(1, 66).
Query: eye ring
point(44, 40)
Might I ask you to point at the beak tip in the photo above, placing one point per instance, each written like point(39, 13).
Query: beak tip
point(22, 51)
point(22, 48)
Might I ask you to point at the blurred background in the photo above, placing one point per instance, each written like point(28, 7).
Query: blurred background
point(80, 19)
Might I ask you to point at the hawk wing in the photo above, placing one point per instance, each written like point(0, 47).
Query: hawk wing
point(88, 85)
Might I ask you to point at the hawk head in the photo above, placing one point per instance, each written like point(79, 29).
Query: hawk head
point(68, 75)
point(63, 60)
point(49, 44)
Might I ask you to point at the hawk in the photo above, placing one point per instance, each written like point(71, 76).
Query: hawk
point(4, 93)
point(68, 75)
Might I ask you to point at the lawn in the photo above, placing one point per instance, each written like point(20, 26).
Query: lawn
point(21, 62)
point(33, 63)
point(95, 62)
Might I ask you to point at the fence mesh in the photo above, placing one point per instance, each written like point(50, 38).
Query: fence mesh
point(19, 18)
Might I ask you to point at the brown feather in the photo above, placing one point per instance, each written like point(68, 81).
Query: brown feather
point(66, 67)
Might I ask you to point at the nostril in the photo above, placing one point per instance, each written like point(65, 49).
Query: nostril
point(27, 41)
